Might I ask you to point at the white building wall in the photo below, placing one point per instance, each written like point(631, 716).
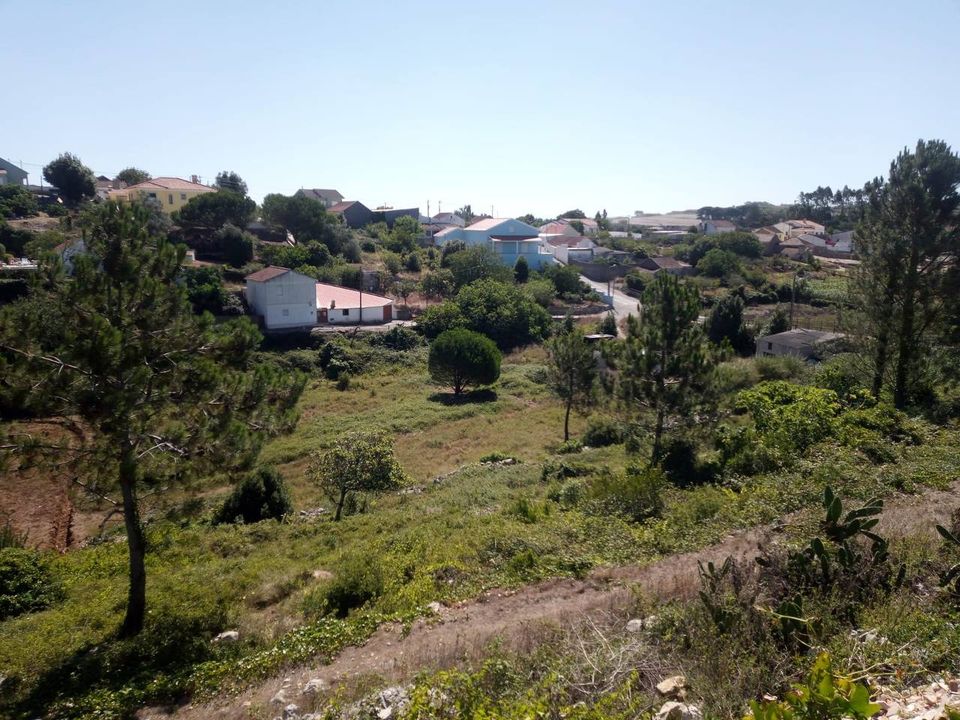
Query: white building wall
point(336, 316)
point(286, 301)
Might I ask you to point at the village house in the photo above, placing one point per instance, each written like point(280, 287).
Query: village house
point(171, 193)
point(354, 213)
point(667, 264)
point(10, 174)
point(510, 239)
point(448, 218)
point(283, 298)
point(795, 228)
point(801, 343)
point(326, 197)
point(561, 246)
point(345, 306)
point(714, 227)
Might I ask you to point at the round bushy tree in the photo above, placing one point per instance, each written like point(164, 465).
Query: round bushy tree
point(261, 495)
point(504, 313)
point(74, 180)
point(462, 357)
point(725, 322)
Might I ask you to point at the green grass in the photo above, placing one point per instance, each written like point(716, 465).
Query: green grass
point(482, 526)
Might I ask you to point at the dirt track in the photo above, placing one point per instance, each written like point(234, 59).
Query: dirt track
point(517, 617)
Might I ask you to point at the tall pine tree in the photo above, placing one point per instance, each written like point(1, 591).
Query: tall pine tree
point(159, 392)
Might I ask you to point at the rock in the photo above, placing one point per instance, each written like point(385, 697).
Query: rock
point(672, 687)
point(435, 607)
point(280, 698)
point(227, 636)
point(678, 711)
point(291, 712)
point(635, 625)
point(384, 713)
point(314, 686)
point(322, 574)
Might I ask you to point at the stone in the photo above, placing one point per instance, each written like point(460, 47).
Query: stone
point(435, 607)
point(291, 712)
point(678, 711)
point(322, 575)
point(227, 636)
point(385, 713)
point(672, 687)
point(635, 625)
point(954, 685)
point(280, 698)
point(314, 686)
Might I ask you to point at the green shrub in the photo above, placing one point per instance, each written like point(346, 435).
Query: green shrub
point(397, 338)
point(504, 313)
point(25, 583)
point(235, 244)
point(791, 417)
point(437, 319)
point(569, 447)
point(542, 291)
point(343, 381)
point(351, 252)
point(462, 358)
point(413, 262)
point(681, 465)
point(783, 367)
point(525, 510)
point(634, 494)
point(603, 432)
point(260, 495)
point(568, 495)
point(358, 580)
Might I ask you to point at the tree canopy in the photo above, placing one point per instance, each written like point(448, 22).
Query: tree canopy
point(74, 181)
point(306, 219)
point(163, 392)
point(132, 175)
point(572, 372)
point(229, 180)
point(213, 210)
point(503, 312)
point(461, 358)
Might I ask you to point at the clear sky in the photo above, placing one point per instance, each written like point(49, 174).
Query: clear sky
point(520, 106)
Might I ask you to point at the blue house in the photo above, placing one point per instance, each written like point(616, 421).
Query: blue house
point(510, 239)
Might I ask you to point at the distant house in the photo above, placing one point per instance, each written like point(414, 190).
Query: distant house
point(448, 218)
point(354, 213)
point(327, 198)
point(282, 297)
point(841, 242)
point(560, 227)
point(510, 239)
point(812, 241)
point(10, 174)
point(390, 215)
point(713, 227)
point(666, 264)
point(561, 246)
point(795, 228)
point(801, 343)
point(170, 192)
point(338, 305)
point(766, 235)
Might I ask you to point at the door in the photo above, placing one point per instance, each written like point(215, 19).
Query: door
point(387, 313)
point(322, 315)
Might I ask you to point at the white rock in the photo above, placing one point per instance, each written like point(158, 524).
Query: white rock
point(672, 686)
point(280, 698)
point(435, 608)
point(291, 712)
point(385, 713)
point(227, 636)
point(635, 625)
point(314, 686)
point(678, 711)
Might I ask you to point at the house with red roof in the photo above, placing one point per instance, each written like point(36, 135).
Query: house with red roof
point(170, 192)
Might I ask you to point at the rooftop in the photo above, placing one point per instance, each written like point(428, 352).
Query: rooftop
point(335, 296)
point(268, 273)
point(802, 339)
point(169, 183)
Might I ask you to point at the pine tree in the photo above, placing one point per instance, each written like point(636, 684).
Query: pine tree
point(572, 371)
point(159, 392)
point(667, 364)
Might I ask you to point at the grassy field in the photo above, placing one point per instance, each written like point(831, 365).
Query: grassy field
point(481, 526)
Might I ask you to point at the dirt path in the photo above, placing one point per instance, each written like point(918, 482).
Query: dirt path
point(519, 617)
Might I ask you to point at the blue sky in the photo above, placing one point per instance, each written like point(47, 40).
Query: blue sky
point(516, 106)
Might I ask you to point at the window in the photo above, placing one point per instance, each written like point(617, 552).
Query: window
point(286, 312)
point(170, 198)
point(183, 196)
point(152, 195)
point(769, 346)
point(346, 312)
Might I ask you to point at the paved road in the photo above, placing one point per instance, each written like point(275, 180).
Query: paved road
point(623, 304)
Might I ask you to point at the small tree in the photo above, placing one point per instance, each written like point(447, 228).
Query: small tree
point(521, 270)
point(235, 244)
point(260, 495)
point(572, 372)
point(478, 263)
point(667, 364)
point(503, 312)
point(213, 210)
point(438, 283)
point(406, 288)
point(132, 176)
point(357, 462)
point(73, 179)
point(726, 323)
point(462, 357)
point(231, 181)
point(779, 321)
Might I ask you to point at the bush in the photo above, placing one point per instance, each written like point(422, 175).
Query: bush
point(681, 465)
point(260, 495)
point(569, 447)
point(438, 283)
point(397, 338)
point(565, 278)
point(634, 494)
point(235, 244)
point(521, 270)
point(358, 581)
point(718, 263)
point(503, 313)
point(25, 583)
point(477, 263)
point(608, 326)
point(542, 291)
point(392, 262)
point(413, 262)
point(351, 252)
point(461, 358)
point(791, 417)
point(438, 319)
point(343, 381)
point(725, 322)
point(17, 201)
point(602, 432)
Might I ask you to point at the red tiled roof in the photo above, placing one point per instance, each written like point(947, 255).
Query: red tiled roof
point(169, 183)
point(341, 206)
point(344, 298)
point(268, 273)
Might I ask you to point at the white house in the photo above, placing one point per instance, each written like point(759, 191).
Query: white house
point(282, 297)
point(343, 306)
point(714, 227)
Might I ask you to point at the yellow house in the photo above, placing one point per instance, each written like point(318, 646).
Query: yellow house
point(172, 193)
